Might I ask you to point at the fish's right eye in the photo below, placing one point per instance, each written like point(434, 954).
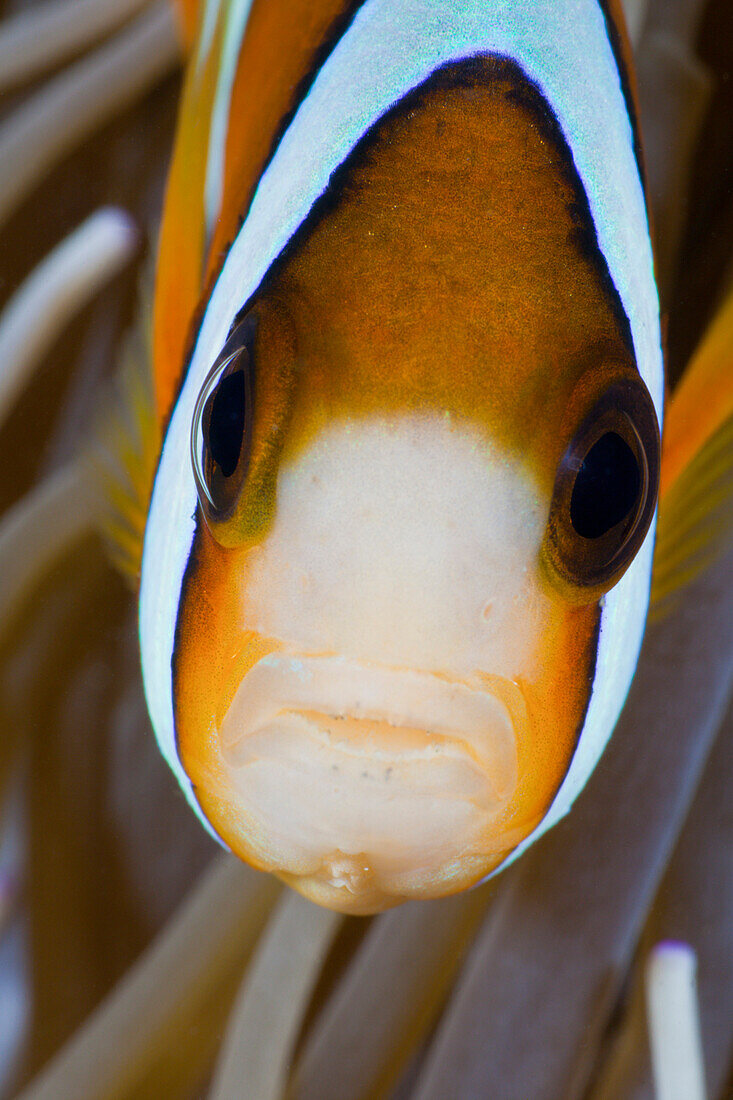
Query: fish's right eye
point(221, 434)
point(225, 416)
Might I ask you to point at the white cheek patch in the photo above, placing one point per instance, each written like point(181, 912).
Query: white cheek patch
point(400, 578)
point(412, 542)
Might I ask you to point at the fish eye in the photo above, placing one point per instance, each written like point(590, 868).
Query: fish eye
point(605, 492)
point(224, 418)
point(606, 487)
point(222, 425)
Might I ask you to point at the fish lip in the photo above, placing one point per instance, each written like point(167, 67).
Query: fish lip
point(478, 717)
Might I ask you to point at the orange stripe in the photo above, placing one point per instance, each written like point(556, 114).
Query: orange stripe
point(183, 231)
point(188, 17)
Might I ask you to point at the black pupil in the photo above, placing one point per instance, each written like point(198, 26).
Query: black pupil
point(226, 423)
point(606, 488)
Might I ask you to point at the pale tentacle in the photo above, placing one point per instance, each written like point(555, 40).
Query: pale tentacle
point(169, 993)
point(275, 993)
point(635, 12)
point(674, 1024)
point(70, 276)
point(582, 896)
point(38, 530)
point(674, 92)
point(37, 39)
point(82, 98)
point(694, 904)
point(387, 998)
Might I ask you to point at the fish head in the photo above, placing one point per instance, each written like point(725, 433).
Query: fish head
point(424, 456)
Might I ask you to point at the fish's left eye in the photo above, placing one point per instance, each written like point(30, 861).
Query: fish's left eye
point(222, 425)
point(605, 492)
point(606, 487)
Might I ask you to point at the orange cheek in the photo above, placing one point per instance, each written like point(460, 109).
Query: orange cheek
point(213, 654)
point(556, 697)
point(215, 651)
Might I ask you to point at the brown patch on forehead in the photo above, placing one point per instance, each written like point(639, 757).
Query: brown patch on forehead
point(452, 265)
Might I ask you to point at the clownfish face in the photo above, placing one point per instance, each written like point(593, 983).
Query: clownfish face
point(423, 455)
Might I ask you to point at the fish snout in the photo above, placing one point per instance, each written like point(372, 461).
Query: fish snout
point(340, 762)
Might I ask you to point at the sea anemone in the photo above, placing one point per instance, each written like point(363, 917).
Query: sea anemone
point(136, 960)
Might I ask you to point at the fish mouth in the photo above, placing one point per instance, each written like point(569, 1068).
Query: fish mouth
point(351, 769)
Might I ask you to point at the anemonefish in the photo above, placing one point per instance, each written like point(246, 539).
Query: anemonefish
point(409, 382)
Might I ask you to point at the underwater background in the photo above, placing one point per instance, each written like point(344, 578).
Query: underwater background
point(529, 987)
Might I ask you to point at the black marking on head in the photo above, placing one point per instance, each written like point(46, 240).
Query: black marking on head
point(187, 582)
point(590, 674)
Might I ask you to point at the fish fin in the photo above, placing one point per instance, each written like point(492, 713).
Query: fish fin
point(183, 231)
point(126, 445)
point(696, 494)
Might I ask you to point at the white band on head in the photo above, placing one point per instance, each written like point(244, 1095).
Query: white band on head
point(391, 47)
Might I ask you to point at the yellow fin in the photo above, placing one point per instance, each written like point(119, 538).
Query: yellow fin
point(695, 520)
point(696, 504)
point(127, 444)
